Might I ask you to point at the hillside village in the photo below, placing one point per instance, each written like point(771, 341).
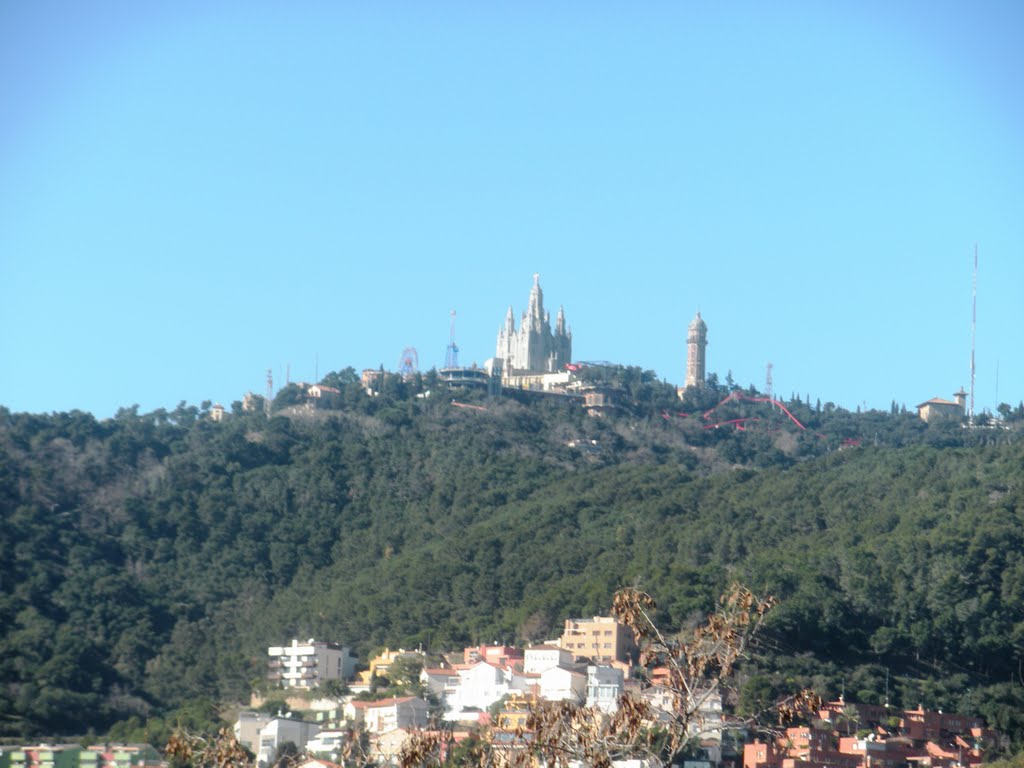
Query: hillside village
point(488, 691)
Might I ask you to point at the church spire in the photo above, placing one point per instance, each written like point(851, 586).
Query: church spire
point(533, 347)
point(535, 311)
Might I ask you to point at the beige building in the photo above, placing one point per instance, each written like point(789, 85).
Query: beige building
point(599, 639)
point(937, 408)
point(696, 343)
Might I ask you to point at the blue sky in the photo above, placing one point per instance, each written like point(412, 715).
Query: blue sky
point(192, 193)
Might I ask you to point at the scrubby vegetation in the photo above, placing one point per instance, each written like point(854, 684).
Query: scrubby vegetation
point(148, 560)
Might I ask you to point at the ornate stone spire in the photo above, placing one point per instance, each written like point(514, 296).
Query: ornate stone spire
point(535, 310)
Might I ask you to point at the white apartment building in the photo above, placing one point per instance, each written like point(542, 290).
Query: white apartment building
point(328, 744)
point(306, 665)
point(279, 731)
point(479, 686)
point(388, 714)
point(558, 684)
point(604, 686)
point(540, 658)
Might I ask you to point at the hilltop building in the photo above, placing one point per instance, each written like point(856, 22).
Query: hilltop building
point(534, 348)
point(937, 408)
point(696, 342)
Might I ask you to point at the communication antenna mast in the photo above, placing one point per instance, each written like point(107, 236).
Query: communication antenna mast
point(270, 391)
point(974, 322)
point(451, 358)
point(768, 380)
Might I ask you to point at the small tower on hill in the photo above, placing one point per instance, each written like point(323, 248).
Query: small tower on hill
point(696, 341)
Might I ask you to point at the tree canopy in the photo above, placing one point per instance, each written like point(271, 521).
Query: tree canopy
point(149, 560)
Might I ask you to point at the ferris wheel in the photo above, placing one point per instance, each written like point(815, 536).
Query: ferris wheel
point(409, 365)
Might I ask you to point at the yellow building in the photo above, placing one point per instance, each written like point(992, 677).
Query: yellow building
point(516, 710)
point(380, 664)
point(600, 639)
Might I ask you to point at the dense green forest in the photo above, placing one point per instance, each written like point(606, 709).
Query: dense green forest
point(148, 560)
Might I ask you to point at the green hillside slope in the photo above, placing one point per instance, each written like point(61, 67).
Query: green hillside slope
point(149, 560)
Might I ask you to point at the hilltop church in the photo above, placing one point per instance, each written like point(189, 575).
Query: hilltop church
point(534, 348)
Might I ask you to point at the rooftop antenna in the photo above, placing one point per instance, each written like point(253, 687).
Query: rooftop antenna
point(451, 358)
point(316, 369)
point(974, 322)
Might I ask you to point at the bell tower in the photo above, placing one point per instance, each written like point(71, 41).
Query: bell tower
point(696, 341)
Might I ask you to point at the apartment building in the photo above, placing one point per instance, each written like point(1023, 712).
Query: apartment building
point(307, 665)
point(600, 639)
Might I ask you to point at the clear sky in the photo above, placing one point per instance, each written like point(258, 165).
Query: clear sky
point(194, 192)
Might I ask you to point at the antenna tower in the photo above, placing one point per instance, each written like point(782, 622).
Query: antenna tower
point(451, 358)
point(768, 380)
point(270, 392)
point(974, 323)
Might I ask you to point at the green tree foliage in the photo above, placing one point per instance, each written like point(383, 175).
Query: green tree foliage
point(148, 560)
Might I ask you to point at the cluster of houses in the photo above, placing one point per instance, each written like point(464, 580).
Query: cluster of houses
point(591, 663)
point(849, 735)
point(328, 711)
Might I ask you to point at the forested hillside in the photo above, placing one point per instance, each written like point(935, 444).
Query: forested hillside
point(149, 560)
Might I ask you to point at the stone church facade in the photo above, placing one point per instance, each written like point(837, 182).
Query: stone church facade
point(534, 347)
